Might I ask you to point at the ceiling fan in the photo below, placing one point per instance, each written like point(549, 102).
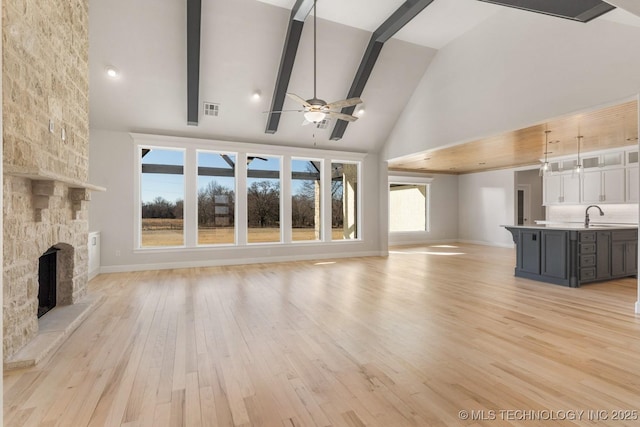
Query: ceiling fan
point(315, 109)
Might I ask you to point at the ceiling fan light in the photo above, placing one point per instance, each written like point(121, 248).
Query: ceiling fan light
point(314, 116)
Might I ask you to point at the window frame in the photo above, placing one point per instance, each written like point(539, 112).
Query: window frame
point(321, 195)
point(358, 207)
point(410, 180)
point(280, 201)
point(137, 206)
point(191, 146)
point(235, 189)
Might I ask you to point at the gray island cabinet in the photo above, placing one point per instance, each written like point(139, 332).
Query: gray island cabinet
point(571, 256)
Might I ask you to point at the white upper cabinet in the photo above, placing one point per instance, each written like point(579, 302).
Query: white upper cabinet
point(605, 186)
point(613, 185)
point(552, 189)
point(562, 189)
point(591, 191)
point(608, 177)
point(632, 157)
point(632, 184)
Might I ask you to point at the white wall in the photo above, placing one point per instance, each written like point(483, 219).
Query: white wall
point(443, 219)
point(516, 69)
point(486, 201)
point(112, 166)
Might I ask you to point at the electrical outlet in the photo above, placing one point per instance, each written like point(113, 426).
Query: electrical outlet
point(117, 253)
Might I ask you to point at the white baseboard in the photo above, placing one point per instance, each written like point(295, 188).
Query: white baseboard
point(239, 261)
point(93, 273)
point(422, 242)
point(484, 243)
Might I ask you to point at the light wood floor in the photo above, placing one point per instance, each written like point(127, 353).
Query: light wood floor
point(409, 340)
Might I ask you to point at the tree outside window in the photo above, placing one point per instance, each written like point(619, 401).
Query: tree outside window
point(162, 197)
point(263, 199)
point(305, 199)
point(216, 198)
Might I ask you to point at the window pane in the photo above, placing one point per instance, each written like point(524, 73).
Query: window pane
point(407, 207)
point(344, 201)
point(216, 198)
point(263, 199)
point(162, 196)
point(305, 199)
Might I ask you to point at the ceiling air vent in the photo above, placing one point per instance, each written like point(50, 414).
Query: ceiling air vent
point(323, 124)
point(211, 109)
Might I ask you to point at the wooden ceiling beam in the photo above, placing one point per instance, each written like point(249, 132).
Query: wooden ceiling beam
point(576, 10)
point(194, 20)
point(405, 13)
point(299, 13)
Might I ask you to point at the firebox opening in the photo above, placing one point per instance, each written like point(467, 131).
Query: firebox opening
point(48, 280)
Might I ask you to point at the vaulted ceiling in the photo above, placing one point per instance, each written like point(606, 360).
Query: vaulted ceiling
point(241, 45)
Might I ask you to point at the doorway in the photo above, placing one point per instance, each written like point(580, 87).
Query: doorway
point(528, 197)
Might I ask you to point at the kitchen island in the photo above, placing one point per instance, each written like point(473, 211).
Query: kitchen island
point(571, 254)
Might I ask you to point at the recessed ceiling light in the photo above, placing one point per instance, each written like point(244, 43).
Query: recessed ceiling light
point(256, 95)
point(112, 72)
point(482, 163)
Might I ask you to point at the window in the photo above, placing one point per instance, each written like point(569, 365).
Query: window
point(408, 207)
point(216, 198)
point(344, 201)
point(162, 197)
point(263, 199)
point(305, 199)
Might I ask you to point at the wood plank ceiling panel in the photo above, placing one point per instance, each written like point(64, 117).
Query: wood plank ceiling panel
point(610, 127)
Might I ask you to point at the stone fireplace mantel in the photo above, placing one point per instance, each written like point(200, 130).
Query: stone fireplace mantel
point(44, 187)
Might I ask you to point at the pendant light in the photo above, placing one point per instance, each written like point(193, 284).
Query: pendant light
point(578, 168)
point(545, 166)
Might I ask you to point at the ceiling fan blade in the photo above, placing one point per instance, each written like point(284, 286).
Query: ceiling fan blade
point(341, 116)
point(344, 103)
point(298, 99)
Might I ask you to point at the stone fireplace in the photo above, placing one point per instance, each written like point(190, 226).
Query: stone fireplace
point(45, 115)
point(33, 232)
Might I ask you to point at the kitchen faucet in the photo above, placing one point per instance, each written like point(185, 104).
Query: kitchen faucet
point(586, 214)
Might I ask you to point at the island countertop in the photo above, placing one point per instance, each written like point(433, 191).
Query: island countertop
point(569, 226)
